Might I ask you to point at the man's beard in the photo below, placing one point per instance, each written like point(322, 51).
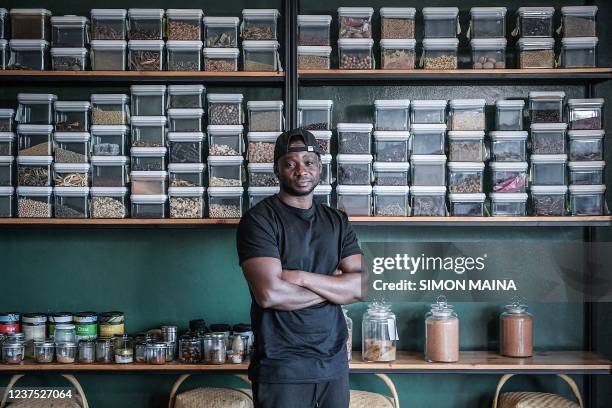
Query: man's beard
point(286, 187)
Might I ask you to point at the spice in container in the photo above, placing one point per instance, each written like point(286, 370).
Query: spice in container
point(64, 333)
point(441, 333)
point(86, 325)
point(397, 22)
point(66, 352)
point(246, 332)
point(169, 335)
point(355, 22)
point(12, 353)
point(190, 349)
point(9, 322)
point(34, 329)
point(214, 348)
point(105, 351)
point(156, 353)
point(516, 331)
point(124, 349)
point(379, 333)
point(44, 351)
point(111, 323)
point(87, 351)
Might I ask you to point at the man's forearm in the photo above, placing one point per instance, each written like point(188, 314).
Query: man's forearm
point(340, 289)
point(287, 296)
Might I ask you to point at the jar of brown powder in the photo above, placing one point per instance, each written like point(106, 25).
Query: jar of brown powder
point(516, 331)
point(441, 333)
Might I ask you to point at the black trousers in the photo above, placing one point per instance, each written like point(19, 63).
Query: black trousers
point(330, 394)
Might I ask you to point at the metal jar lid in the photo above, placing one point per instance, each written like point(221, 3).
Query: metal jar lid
point(9, 317)
point(111, 318)
point(169, 329)
point(34, 318)
point(60, 317)
point(220, 327)
point(44, 343)
point(86, 317)
point(158, 345)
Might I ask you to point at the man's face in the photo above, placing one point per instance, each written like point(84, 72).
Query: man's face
point(299, 172)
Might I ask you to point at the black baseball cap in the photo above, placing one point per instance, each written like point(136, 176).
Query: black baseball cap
point(284, 141)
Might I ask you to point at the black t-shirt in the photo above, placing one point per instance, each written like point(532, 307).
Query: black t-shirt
point(307, 345)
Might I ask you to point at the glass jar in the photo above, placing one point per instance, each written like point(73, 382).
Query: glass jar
point(379, 333)
point(111, 323)
point(190, 349)
point(64, 333)
point(441, 333)
point(214, 348)
point(104, 350)
point(34, 326)
point(65, 352)
point(516, 331)
point(156, 353)
point(86, 325)
point(44, 351)
point(235, 355)
point(87, 351)
point(57, 318)
point(349, 338)
point(124, 349)
point(140, 347)
point(12, 353)
point(169, 334)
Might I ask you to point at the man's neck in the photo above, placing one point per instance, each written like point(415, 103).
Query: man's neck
point(303, 202)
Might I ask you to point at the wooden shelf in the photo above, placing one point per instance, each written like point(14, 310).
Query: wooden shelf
point(471, 362)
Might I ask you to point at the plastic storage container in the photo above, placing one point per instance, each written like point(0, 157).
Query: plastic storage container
point(585, 114)
point(109, 171)
point(428, 170)
point(323, 138)
point(149, 206)
point(146, 55)
point(467, 205)
point(4, 53)
point(109, 109)
point(579, 52)
point(108, 24)
point(148, 158)
point(465, 177)
point(108, 55)
point(148, 100)
point(313, 30)
point(71, 174)
point(72, 147)
point(148, 182)
point(326, 172)
point(7, 118)
point(71, 202)
point(261, 146)
point(225, 171)
point(391, 201)
point(536, 53)
point(546, 107)
point(145, 24)
point(186, 96)
point(6, 171)
point(586, 172)
point(30, 24)
point(72, 116)
point(489, 53)
point(260, 56)
point(548, 138)
point(391, 146)
point(225, 140)
point(579, 21)
point(262, 175)
point(184, 24)
point(35, 140)
point(185, 147)
point(185, 120)
point(588, 200)
point(225, 202)
point(467, 114)
point(6, 202)
point(29, 55)
point(186, 174)
point(427, 139)
point(391, 174)
point(355, 22)
point(354, 169)
point(510, 177)
point(35, 109)
point(221, 59)
point(314, 57)
point(225, 109)
point(428, 201)
point(466, 146)
point(315, 114)
point(322, 195)
point(183, 55)
point(508, 205)
point(354, 200)
point(148, 131)
point(34, 202)
point(535, 21)
point(221, 32)
point(259, 24)
point(355, 53)
point(7, 143)
point(354, 138)
point(586, 145)
point(441, 22)
point(109, 202)
point(488, 22)
point(392, 115)
point(428, 112)
point(109, 140)
point(257, 194)
point(397, 23)
point(69, 31)
point(509, 115)
point(265, 116)
point(69, 59)
point(186, 202)
point(548, 200)
point(397, 54)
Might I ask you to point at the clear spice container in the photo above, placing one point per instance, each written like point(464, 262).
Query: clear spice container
point(183, 55)
point(314, 57)
point(72, 116)
point(428, 170)
point(28, 55)
point(186, 174)
point(146, 55)
point(488, 22)
point(225, 171)
point(257, 194)
point(109, 140)
point(185, 120)
point(467, 205)
point(185, 96)
point(262, 175)
point(536, 52)
point(186, 202)
point(69, 59)
point(35, 140)
point(323, 138)
point(585, 145)
point(509, 115)
point(4, 53)
point(108, 24)
point(326, 172)
point(379, 333)
point(322, 195)
point(145, 24)
point(428, 112)
point(109, 202)
point(261, 56)
point(580, 52)
point(214, 348)
point(109, 171)
point(466, 146)
point(548, 138)
point(467, 114)
point(509, 177)
point(140, 347)
point(354, 169)
point(185, 147)
point(315, 114)
point(391, 201)
point(354, 200)
point(12, 353)
point(30, 24)
point(588, 200)
point(465, 177)
point(148, 100)
point(548, 169)
point(148, 131)
point(44, 351)
point(579, 21)
point(586, 172)
point(489, 53)
point(35, 109)
point(108, 55)
point(397, 54)
point(313, 30)
point(148, 158)
point(535, 22)
point(261, 146)
point(391, 146)
point(71, 147)
point(225, 109)
point(6, 202)
point(69, 31)
point(221, 32)
point(225, 202)
point(266, 116)
point(124, 349)
point(508, 204)
point(355, 53)
point(221, 59)
point(65, 353)
point(441, 22)
point(184, 24)
point(509, 146)
point(397, 23)
point(87, 351)
point(156, 353)
point(548, 200)
point(427, 138)
point(7, 117)
point(259, 24)
point(105, 350)
point(56, 318)
point(34, 326)
point(71, 202)
point(149, 206)
point(585, 114)
point(7, 143)
point(391, 174)
point(109, 109)
point(64, 333)
point(441, 333)
point(3, 23)
point(516, 331)
point(355, 22)
point(225, 140)
point(354, 138)
point(6, 170)
point(149, 182)
point(546, 107)
point(392, 114)
point(34, 171)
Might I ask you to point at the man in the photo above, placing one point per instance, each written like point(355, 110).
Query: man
point(301, 261)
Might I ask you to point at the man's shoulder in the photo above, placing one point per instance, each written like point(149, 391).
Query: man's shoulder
point(262, 212)
point(333, 213)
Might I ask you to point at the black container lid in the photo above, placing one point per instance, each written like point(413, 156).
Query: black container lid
point(242, 327)
point(220, 327)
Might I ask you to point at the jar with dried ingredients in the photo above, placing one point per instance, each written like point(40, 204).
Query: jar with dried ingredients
point(441, 333)
point(379, 333)
point(516, 331)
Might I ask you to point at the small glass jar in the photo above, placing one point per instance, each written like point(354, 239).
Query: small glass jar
point(441, 333)
point(124, 349)
point(322, 195)
point(315, 114)
point(428, 170)
point(587, 200)
point(441, 22)
point(184, 24)
point(548, 200)
point(391, 201)
point(7, 202)
point(355, 22)
point(397, 54)
point(145, 24)
point(355, 53)
point(69, 59)
point(354, 200)
point(260, 56)
point(587, 172)
point(379, 333)
point(44, 351)
point(259, 24)
point(392, 115)
point(35, 109)
point(156, 353)
point(186, 174)
point(467, 114)
point(354, 138)
point(186, 96)
point(108, 24)
point(148, 131)
point(509, 146)
point(214, 348)
point(465, 177)
point(146, 55)
point(110, 109)
point(488, 22)
point(548, 138)
point(34, 171)
point(221, 32)
point(535, 21)
point(190, 349)
point(69, 31)
point(508, 204)
point(508, 177)
point(349, 335)
point(225, 109)
point(546, 107)
point(29, 55)
point(64, 333)
point(221, 59)
point(516, 331)
point(184, 56)
point(428, 201)
point(257, 194)
point(536, 52)
point(466, 146)
point(266, 116)
point(391, 146)
point(509, 115)
point(109, 171)
point(579, 52)
point(186, 202)
point(71, 202)
point(56, 318)
point(466, 205)
point(30, 23)
point(225, 171)
point(65, 353)
point(140, 347)
point(313, 30)
point(87, 351)
point(586, 145)
point(108, 55)
point(397, 23)
point(428, 112)
point(391, 173)
point(105, 353)
point(225, 202)
point(262, 175)
point(34, 326)
point(12, 353)
point(427, 139)
point(579, 21)
point(354, 169)
point(314, 57)
point(585, 114)
point(489, 53)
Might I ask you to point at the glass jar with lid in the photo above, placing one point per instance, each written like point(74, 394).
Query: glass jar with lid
point(441, 333)
point(156, 352)
point(214, 348)
point(87, 351)
point(516, 330)
point(140, 346)
point(349, 338)
point(12, 352)
point(44, 351)
point(105, 352)
point(64, 332)
point(190, 349)
point(34, 329)
point(66, 352)
point(124, 349)
point(379, 333)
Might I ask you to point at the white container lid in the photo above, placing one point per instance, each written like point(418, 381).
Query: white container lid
point(185, 89)
point(7, 113)
point(225, 129)
point(579, 11)
point(392, 103)
point(508, 166)
point(353, 190)
point(30, 11)
point(35, 129)
point(263, 191)
point(263, 136)
point(323, 51)
point(324, 189)
point(467, 198)
point(587, 189)
point(579, 42)
point(108, 13)
point(148, 90)
point(260, 13)
point(36, 98)
point(391, 190)
point(398, 44)
point(315, 104)
point(548, 127)
point(186, 167)
point(146, 45)
point(391, 166)
point(260, 45)
point(68, 52)
point(70, 20)
point(172, 45)
point(265, 105)
point(527, 43)
point(508, 197)
point(110, 160)
point(7, 136)
point(354, 158)
point(220, 52)
point(109, 129)
point(355, 11)
point(6, 159)
point(313, 20)
point(586, 165)
point(108, 191)
point(221, 21)
point(108, 99)
point(384, 136)
point(71, 167)
point(35, 160)
point(438, 13)
point(72, 106)
point(145, 13)
point(224, 98)
point(71, 191)
point(185, 191)
point(71, 136)
point(355, 43)
point(108, 44)
point(354, 127)
point(488, 43)
point(322, 134)
point(185, 136)
point(225, 191)
point(466, 135)
point(466, 166)
point(428, 104)
point(148, 151)
point(585, 103)
point(467, 103)
point(6, 191)
point(397, 12)
point(428, 190)
point(148, 120)
point(326, 159)
point(546, 190)
point(484, 12)
point(510, 104)
point(148, 199)
point(427, 127)
point(586, 134)
point(3, 43)
point(149, 175)
point(536, 11)
point(260, 167)
point(35, 191)
point(225, 160)
point(428, 159)
point(185, 113)
point(547, 96)
point(184, 13)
